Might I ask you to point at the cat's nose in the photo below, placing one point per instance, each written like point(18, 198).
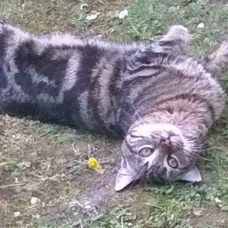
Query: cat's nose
point(166, 142)
point(165, 138)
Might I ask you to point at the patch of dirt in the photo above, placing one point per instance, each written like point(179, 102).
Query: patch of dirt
point(209, 217)
point(47, 165)
point(97, 194)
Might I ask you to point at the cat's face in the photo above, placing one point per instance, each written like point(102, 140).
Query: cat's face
point(156, 152)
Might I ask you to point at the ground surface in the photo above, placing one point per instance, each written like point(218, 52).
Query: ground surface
point(42, 184)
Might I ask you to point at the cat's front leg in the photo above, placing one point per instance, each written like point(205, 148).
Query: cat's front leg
point(175, 41)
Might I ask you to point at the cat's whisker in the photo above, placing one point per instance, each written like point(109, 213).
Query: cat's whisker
point(170, 181)
point(127, 124)
point(130, 116)
point(139, 175)
point(197, 157)
point(194, 153)
point(133, 120)
point(136, 112)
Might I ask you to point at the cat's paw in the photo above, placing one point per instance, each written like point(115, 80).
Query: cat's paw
point(178, 32)
point(219, 58)
point(224, 46)
point(178, 28)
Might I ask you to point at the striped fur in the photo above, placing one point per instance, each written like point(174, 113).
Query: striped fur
point(116, 89)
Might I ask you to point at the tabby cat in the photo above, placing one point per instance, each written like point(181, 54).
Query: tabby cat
point(161, 102)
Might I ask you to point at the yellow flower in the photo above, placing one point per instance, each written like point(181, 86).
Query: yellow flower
point(93, 163)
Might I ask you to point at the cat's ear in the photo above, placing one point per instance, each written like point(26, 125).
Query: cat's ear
point(193, 175)
point(124, 177)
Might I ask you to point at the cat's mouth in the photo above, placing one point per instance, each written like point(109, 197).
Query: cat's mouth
point(142, 173)
point(154, 174)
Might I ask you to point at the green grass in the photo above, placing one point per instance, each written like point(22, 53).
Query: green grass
point(41, 160)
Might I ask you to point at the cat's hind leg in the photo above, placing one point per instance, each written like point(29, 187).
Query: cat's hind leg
point(216, 61)
point(175, 41)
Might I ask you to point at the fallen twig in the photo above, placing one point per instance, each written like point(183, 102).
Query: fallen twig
point(11, 185)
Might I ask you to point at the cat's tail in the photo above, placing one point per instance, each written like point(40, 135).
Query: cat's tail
point(218, 60)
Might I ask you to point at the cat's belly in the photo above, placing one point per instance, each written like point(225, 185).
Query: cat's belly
point(68, 109)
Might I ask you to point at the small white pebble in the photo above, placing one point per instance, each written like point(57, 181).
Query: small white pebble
point(37, 216)
point(197, 212)
point(92, 16)
point(200, 25)
point(17, 214)
point(34, 200)
point(206, 40)
point(84, 7)
point(122, 14)
point(88, 207)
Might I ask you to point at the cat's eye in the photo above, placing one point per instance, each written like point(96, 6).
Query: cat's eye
point(172, 162)
point(146, 151)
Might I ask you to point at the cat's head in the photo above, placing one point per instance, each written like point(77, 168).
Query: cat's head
point(157, 152)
